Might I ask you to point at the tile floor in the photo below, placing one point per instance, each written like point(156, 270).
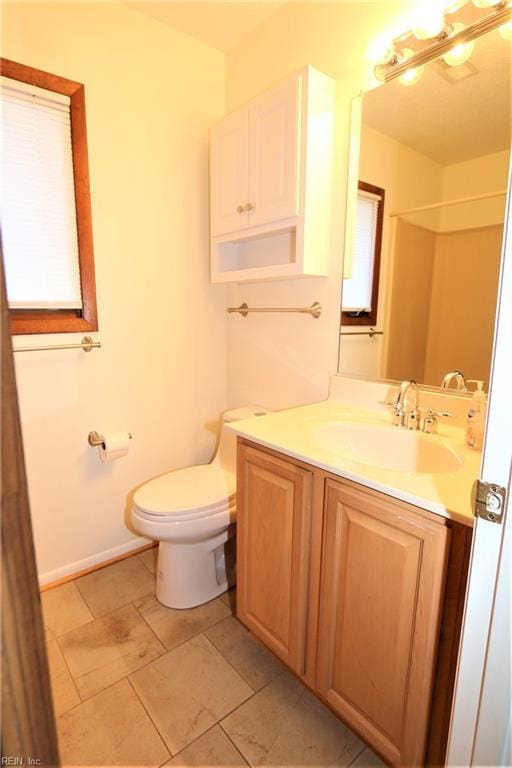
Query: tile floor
point(137, 684)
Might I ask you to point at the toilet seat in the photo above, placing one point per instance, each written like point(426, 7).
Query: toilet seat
point(187, 494)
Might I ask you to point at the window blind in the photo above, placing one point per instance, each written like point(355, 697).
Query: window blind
point(37, 199)
point(357, 290)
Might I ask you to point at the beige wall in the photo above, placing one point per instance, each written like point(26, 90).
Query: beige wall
point(281, 360)
point(412, 180)
point(411, 290)
point(443, 297)
point(409, 179)
point(151, 95)
point(488, 173)
point(462, 312)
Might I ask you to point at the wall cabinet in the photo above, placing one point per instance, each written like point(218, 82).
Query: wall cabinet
point(347, 587)
point(270, 183)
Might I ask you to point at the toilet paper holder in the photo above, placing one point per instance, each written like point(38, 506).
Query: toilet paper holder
point(94, 438)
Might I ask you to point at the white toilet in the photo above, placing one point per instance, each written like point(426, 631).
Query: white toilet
point(192, 513)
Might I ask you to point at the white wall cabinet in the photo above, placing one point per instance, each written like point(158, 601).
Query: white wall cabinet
point(270, 183)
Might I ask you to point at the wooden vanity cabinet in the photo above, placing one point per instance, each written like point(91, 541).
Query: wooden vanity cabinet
point(383, 567)
point(347, 586)
point(274, 543)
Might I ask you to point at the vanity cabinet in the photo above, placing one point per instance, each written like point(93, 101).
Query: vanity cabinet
point(270, 183)
point(347, 586)
point(382, 577)
point(274, 533)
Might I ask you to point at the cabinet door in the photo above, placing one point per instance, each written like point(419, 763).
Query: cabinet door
point(274, 153)
point(229, 170)
point(273, 541)
point(382, 580)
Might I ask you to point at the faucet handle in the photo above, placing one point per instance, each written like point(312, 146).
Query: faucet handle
point(430, 421)
point(439, 414)
point(398, 418)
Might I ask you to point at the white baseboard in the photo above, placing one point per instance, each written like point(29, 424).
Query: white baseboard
point(89, 562)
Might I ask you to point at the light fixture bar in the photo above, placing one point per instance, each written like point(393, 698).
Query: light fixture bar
point(500, 16)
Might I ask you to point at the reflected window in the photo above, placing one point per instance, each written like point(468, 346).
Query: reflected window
point(360, 292)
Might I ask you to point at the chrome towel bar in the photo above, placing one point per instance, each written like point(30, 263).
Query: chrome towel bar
point(315, 310)
point(86, 344)
point(371, 333)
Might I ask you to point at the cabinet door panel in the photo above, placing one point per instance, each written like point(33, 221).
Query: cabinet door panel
point(229, 170)
point(382, 578)
point(274, 149)
point(273, 532)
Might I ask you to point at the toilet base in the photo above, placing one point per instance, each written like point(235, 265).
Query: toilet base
point(189, 575)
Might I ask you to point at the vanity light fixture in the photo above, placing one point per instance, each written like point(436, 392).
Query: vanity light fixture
point(460, 52)
point(454, 42)
point(429, 23)
point(487, 3)
point(506, 31)
point(456, 6)
point(412, 75)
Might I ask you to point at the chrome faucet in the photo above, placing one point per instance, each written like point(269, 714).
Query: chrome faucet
point(457, 376)
point(403, 417)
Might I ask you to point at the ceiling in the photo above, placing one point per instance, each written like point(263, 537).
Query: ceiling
point(221, 25)
point(450, 120)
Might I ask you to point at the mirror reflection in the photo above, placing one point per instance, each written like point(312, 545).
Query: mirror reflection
point(422, 257)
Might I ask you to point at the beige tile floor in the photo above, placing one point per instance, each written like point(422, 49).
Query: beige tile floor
point(137, 684)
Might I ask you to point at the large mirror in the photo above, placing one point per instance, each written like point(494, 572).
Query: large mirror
point(424, 241)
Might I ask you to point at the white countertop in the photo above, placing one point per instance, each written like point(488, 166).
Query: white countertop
point(292, 432)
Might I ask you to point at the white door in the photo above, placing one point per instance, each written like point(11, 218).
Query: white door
point(274, 154)
point(480, 725)
point(229, 187)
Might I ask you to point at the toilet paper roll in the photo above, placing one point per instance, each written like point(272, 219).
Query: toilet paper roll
point(116, 445)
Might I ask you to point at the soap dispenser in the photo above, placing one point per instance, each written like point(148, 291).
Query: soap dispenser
point(476, 417)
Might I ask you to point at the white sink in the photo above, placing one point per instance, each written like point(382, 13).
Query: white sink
point(386, 447)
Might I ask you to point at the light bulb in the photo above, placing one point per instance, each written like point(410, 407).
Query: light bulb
point(460, 52)
point(455, 6)
point(506, 30)
point(486, 3)
point(412, 75)
point(427, 23)
point(380, 50)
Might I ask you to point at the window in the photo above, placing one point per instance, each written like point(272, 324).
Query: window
point(360, 293)
point(45, 207)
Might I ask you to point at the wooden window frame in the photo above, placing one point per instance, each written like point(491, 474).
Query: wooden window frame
point(370, 318)
point(64, 320)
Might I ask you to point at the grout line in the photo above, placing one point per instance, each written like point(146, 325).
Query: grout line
point(359, 753)
point(75, 582)
point(73, 682)
point(85, 701)
point(92, 569)
point(239, 674)
point(148, 549)
point(191, 637)
point(123, 605)
point(211, 728)
point(150, 719)
point(233, 744)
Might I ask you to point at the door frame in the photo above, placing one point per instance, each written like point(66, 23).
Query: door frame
point(481, 686)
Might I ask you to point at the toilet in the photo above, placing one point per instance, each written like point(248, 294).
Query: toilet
point(192, 513)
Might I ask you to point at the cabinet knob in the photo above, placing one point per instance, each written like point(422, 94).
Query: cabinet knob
point(240, 209)
point(249, 207)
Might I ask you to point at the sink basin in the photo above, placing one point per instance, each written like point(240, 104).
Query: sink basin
point(386, 447)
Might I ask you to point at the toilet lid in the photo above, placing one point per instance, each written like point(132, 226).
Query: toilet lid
point(199, 489)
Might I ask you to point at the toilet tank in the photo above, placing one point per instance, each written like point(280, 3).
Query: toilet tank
point(226, 452)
